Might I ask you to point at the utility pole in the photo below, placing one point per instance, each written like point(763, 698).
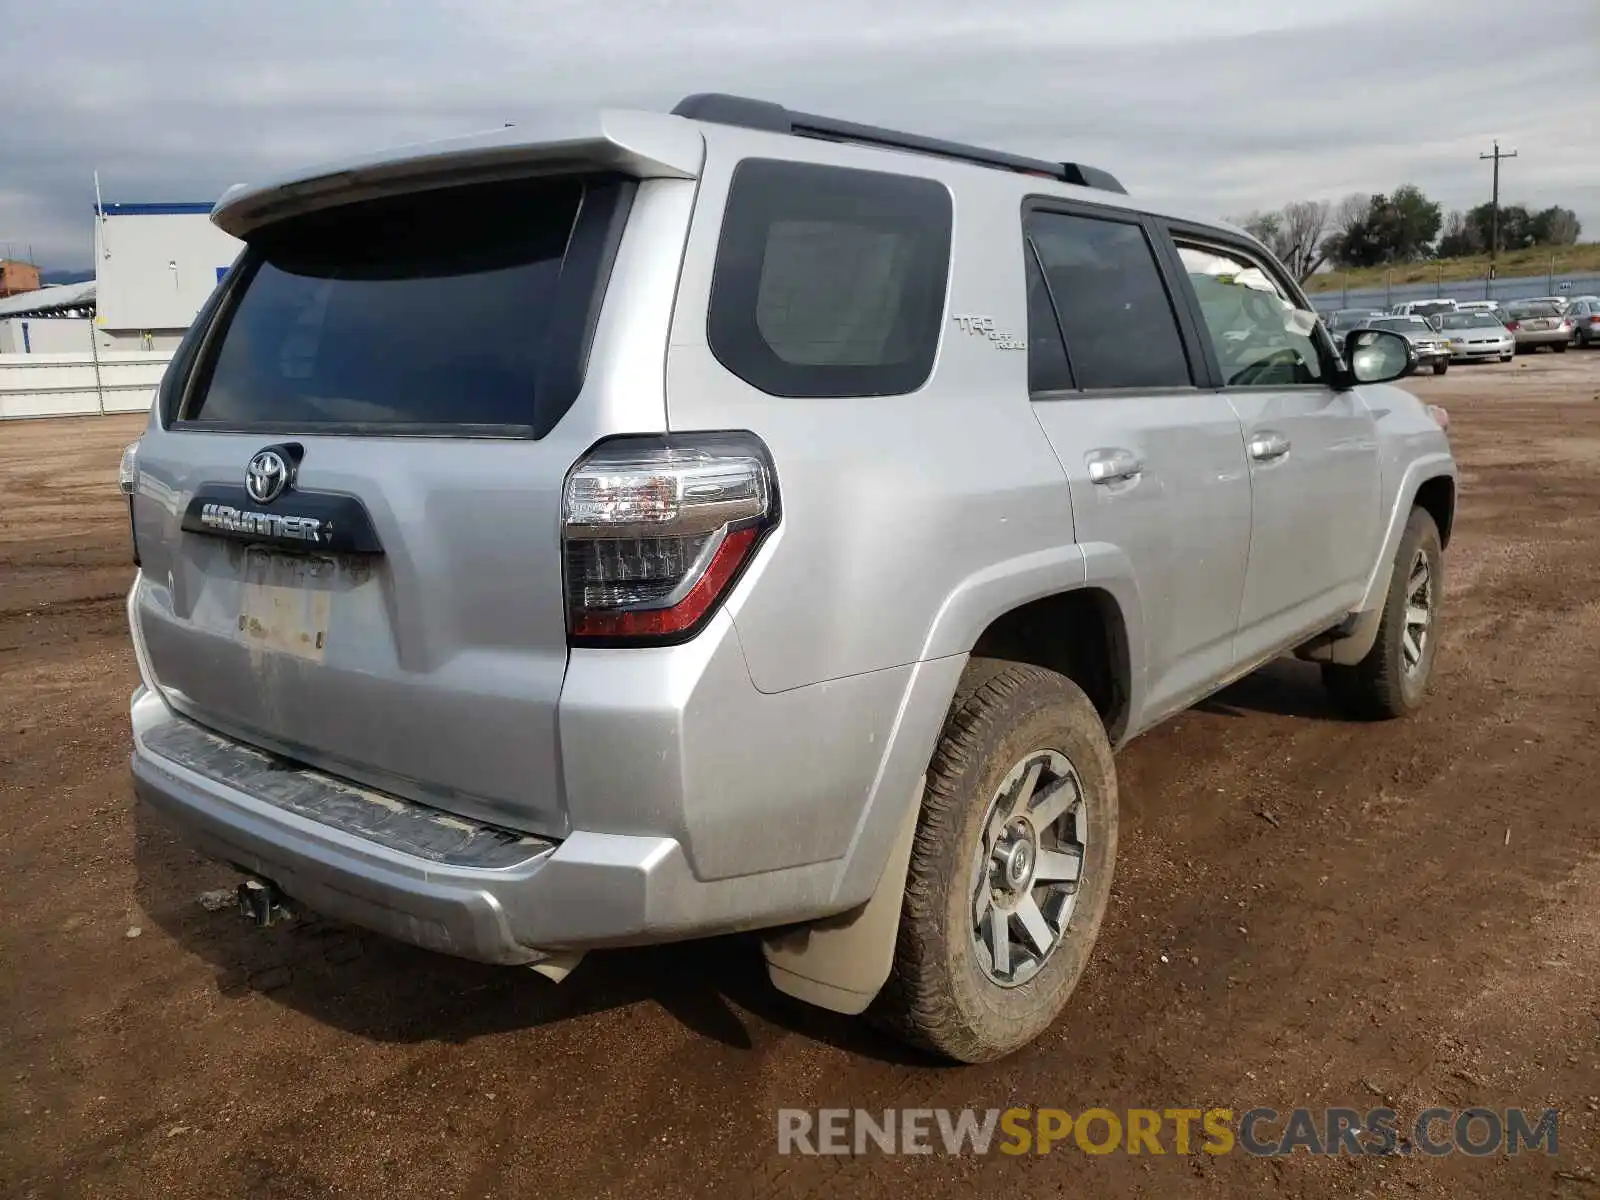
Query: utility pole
point(1494, 207)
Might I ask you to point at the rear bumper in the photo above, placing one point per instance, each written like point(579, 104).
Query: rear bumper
point(700, 806)
point(591, 889)
point(1543, 337)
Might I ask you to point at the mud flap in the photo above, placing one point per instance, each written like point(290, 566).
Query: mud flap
point(841, 962)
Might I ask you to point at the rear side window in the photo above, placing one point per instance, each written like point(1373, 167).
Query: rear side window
point(1116, 318)
point(829, 281)
point(442, 309)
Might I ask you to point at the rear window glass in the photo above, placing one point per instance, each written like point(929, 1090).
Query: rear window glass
point(1536, 308)
point(829, 281)
point(1117, 322)
point(423, 310)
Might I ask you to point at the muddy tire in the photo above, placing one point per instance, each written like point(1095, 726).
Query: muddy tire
point(1392, 680)
point(1014, 848)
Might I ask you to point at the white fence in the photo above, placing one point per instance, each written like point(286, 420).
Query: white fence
point(63, 385)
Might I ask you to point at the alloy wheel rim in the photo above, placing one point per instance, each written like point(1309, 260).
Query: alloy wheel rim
point(1028, 867)
point(1418, 626)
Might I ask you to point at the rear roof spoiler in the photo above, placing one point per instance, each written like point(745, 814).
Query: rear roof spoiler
point(644, 145)
point(722, 109)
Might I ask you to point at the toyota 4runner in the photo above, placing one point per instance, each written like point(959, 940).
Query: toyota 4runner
point(635, 527)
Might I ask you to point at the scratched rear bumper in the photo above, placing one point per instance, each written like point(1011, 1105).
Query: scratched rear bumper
point(404, 870)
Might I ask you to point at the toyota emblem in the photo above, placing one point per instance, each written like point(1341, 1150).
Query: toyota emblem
point(266, 476)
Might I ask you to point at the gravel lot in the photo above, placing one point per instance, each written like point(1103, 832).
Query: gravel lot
point(1308, 911)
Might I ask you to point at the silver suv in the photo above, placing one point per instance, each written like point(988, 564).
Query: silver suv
point(637, 527)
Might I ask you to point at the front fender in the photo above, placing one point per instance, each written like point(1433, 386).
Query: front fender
point(1417, 472)
point(1353, 644)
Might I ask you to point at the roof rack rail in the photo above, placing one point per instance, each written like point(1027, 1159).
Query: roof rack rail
point(722, 109)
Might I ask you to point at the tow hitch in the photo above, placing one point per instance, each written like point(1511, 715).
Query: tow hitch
point(262, 904)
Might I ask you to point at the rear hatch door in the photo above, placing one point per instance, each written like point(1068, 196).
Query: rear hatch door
point(349, 516)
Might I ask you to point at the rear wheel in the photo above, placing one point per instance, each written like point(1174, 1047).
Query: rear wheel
point(1011, 868)
point(1393, 678)
point(1439, 368)
point(1558, 347)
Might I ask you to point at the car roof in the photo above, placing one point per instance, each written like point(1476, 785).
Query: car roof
point(648, 145)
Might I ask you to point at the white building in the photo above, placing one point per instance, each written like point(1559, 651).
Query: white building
point(155, 265)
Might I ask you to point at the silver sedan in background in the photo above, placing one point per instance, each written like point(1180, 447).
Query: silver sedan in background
point(1431, 347)
point(1477, 335)
point(1536, 323)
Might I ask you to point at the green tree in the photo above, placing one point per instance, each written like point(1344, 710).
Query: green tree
point(1399, 227)
point(1555, 226)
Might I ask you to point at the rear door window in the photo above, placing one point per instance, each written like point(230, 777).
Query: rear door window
point(1117, 326)
point(829, 281)
point(432, 310)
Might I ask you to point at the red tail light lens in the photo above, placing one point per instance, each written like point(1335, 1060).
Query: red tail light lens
point(1512, 325)
point(657, 530)
point(1595, 320)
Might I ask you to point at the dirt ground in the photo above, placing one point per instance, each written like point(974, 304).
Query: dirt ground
point(1308, 912)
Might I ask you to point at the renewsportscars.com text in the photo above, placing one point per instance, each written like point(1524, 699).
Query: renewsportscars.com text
point(1263, 1132)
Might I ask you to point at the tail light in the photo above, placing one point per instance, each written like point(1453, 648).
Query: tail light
point(1512, 326)
point(656, 531)
point(1441, 418)
point(1595, 320)
point(128, 484)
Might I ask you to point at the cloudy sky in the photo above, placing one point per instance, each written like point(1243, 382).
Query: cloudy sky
point(1223, 105)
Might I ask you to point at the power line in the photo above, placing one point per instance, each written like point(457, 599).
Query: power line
point(1494, 207)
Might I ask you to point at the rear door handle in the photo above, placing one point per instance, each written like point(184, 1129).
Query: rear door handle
point(1268, 445)
point(1112, 466)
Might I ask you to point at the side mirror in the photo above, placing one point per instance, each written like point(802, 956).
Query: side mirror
point(1378, 355)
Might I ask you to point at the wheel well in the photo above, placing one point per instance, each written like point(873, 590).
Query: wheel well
point(1438, 497)
point(1079, 634)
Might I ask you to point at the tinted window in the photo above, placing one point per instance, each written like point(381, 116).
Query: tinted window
point(422, 310)
point(1116, 317)
point(1047, 353)
point(829, 282)
point(1261, 337)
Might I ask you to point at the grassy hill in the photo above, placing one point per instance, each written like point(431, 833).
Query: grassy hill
point(1513, 264)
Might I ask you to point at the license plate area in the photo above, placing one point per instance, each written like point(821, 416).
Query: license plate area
point(286, 602)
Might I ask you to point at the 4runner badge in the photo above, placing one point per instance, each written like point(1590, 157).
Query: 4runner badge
point(984, 327)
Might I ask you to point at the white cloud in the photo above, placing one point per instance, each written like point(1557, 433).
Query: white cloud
point(1223, 105)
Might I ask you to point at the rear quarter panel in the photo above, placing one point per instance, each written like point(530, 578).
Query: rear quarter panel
point(892, 505)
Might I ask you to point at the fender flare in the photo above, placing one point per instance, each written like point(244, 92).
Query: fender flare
point(841, 962)
point(1361, 631)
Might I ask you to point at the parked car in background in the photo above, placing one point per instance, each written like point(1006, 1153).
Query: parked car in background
point(1476, 335)
point(1561, 302)
point(1342, 320)
point(1536, 323)
point(1493, 307)
point(1423, 308)
point(1585, 317)
point(1431, 347)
